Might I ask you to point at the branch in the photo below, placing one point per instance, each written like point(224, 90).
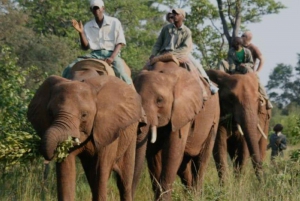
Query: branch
point(229, 13)
point(225, 27)
point(238, 18)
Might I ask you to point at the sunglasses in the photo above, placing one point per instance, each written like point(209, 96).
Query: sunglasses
point(171, 17)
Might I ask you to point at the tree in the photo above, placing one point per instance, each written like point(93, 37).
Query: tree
point(284, 85)
point(213, 38)
point(49, 54)
point(18, 141)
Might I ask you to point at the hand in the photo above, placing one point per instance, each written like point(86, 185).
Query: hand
point(109, 60)
point(77, 26)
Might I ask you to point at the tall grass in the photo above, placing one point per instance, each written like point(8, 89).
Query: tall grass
point(282, 182)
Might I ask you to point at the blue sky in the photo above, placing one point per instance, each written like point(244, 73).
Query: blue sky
point(278, 37)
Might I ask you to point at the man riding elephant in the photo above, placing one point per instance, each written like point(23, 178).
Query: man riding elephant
point(176, 39)
point(105, 37)
point(257, 58)
point(240, 60)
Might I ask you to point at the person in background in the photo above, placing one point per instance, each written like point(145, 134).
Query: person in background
point(258, 60)
point(277, 142)
point(170, 17)
point(104, 35)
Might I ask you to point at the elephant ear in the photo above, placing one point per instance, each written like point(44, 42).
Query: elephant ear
point(188, 99)
point(118, 106)
point(217, 76)
point(37, 110)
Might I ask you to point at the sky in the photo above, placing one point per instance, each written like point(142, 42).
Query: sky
point(278, 38)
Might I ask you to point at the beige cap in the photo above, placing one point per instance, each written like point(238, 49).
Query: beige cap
point(98, 3)
point(179, 11)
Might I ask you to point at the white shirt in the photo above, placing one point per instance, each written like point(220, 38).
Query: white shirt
point(110, 34)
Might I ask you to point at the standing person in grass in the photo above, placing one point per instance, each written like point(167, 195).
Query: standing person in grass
point(277, 142)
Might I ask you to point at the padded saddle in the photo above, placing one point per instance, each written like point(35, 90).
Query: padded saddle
point(100, 66)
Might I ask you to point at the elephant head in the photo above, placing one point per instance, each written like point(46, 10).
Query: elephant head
point(96, 107)
point(170, 94)
point(239, 97)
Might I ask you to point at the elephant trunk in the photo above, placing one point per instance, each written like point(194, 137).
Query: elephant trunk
point(50, 140)
point(249, 127)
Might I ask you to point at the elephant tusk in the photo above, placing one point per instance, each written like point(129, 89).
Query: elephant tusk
point(153, 134)
point(240, 129)
point(261, 131)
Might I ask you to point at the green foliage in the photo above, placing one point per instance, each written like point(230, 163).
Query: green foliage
point(62, 150)
point(18, 141)
point(50, 54)
point(290, 120)
point(18, 148)
point(295, 155)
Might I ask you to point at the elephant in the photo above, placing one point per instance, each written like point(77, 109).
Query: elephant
point(99, 112)
point(181, 128)
point(244, 122)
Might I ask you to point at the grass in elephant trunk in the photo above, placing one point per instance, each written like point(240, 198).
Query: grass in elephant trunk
point(26, 183)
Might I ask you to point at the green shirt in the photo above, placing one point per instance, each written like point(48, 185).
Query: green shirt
point(234, 62)
point(240, 55)
point(173, 39)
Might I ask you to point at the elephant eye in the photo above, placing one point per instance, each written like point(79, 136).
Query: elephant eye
point(83, 115)
point(159, 101)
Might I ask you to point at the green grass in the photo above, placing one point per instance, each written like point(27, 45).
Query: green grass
point(281, 183)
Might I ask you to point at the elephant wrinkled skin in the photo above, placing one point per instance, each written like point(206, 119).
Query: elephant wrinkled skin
point(186, 126)
point(103, 113)
point(240, 105)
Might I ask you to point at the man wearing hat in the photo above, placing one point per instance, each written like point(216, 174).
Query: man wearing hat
point(176, 38)
point(105, 37)
point(277, 142)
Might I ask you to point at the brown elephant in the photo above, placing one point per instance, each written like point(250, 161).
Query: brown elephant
point(183, 127)
point(102, 112)
point(244, 122)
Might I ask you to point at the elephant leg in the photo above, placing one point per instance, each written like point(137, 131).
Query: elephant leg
point(185, 172)
point(66, 176)
point(241, 156)
point(220, 153)
point(172, 155)
point(106, 158)
point(125, 172)
point(89, 166)
point(154, 167)
point(141, 147)
point(202, 160)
